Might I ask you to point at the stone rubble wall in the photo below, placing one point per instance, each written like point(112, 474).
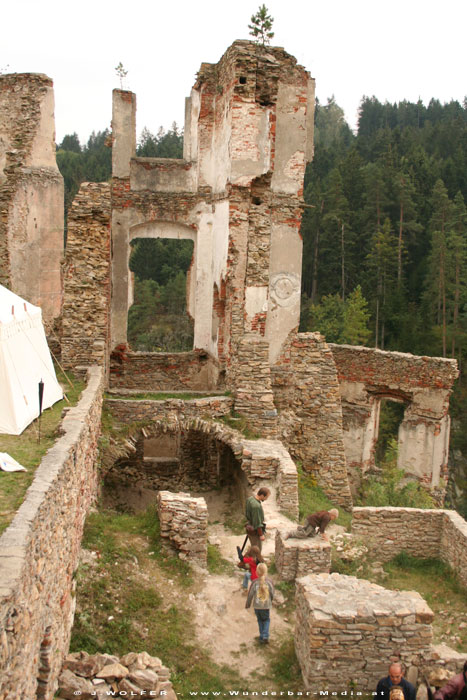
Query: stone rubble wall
point(31, 193)
point(39, 554)
point(162, 371)
point(253, 394)
point(347, 628)
point(423, 384)
point(441, 534)
point(101, 675)
point(306, 394)
point(184, 522)
point(295, 557)
point(264, 462)
point(86, 295)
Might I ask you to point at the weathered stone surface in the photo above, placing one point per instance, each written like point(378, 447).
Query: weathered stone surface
point(37, 602)
point(346, 630)
point(421, 532)
point(145, 679)
point(113, 672)
point(71, 685)
point(184, 522)
point(295, 557)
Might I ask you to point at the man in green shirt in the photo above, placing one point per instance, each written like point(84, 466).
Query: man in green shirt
point(255, 517)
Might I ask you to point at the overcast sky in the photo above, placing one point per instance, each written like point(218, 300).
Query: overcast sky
point(404, 49)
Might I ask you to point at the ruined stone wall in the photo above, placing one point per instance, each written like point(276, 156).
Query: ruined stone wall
point(263, 462)
point(184, 522)
point(164, 371)
point(31, 192)
point(306, 394)
point(39, 554)
point(424, 384)
point(347, 628)
point(423, 533)
point(295, 557)
point(86, 296)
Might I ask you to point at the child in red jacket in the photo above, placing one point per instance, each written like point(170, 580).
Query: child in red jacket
point(250, 561)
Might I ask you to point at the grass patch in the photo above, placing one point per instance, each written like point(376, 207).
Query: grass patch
point(239, 422)
point(120, 607)
point(311, 499)
point(162, 396)
point(448, 601)
point(216, 562)
point(26, 449)
point(284, 669)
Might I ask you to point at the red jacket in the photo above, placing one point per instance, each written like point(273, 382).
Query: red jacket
point(251, 562)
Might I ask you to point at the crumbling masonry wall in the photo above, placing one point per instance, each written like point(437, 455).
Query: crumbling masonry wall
point(295, 557)
point(31, 192)
point(306, 393)
point(424, 384)
point(86, 296)
point(441, 534)
point(39, 554)
point(184, 522)
point(346, 629)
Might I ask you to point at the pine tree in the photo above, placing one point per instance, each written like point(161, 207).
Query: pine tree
point(261, 26)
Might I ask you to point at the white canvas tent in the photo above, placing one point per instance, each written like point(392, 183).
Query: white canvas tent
point(24, 361)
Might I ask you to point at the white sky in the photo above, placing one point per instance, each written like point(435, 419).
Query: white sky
point(401, 49)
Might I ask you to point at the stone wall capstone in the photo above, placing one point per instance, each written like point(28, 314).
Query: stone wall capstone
point(295, 557)
point(39, 553)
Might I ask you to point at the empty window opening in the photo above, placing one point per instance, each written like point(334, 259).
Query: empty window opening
point(158, 319)
point(391, 415)
point(256, 200)
point(242, 80)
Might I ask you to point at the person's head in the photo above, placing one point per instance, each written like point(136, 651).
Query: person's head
point(396, 693)
point(334, 513)
point(255, 553)
point(261, 570)
point(263, 493)
point(396, 673)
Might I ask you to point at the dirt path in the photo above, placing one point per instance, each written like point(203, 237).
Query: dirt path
point(223, 626)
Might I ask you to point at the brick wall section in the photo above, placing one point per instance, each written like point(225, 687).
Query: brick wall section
point(86, 302)
point(306, 394)
point(295, 558)
point(347, 628)
point(39, 554)
point(423, 533)
point(184, 522)
point(159, 371)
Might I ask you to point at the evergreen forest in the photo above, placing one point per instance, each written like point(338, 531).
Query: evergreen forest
point(384, 234)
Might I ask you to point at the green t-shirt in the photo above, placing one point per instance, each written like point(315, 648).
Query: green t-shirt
point(254, 512)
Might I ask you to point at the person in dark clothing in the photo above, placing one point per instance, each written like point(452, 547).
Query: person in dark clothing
point(396, 677)
point(314, 524)
point(454, 688)
point(255, 517)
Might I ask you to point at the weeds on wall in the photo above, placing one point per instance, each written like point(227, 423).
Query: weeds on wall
point(391, 487)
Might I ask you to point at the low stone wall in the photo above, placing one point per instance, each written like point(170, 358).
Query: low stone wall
point(39, 554)
point(295, 557)
point(184, 522)
point(347, 628)
point(162, 371)
point(421, 532)
point(136, 411)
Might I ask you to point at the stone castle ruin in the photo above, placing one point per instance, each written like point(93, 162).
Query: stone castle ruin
point(237, 193)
